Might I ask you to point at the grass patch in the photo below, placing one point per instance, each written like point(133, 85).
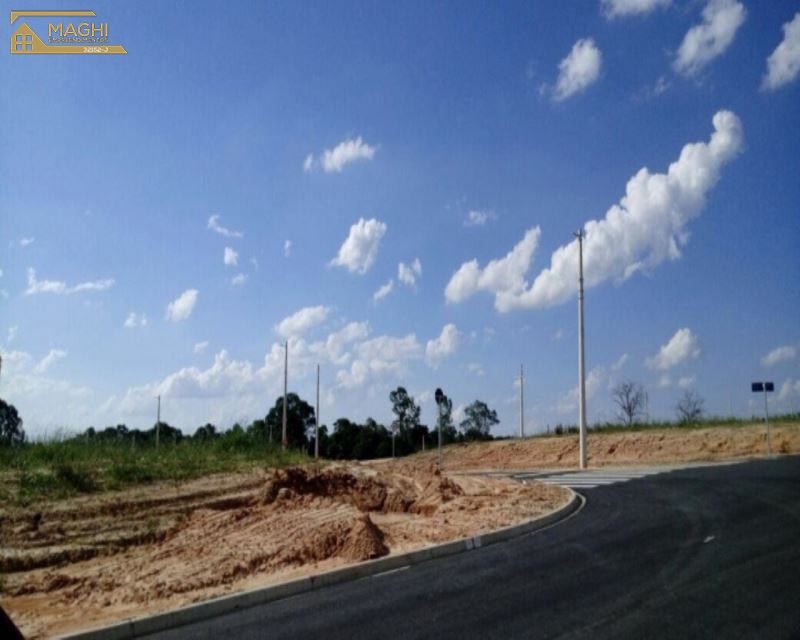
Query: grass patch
point(61, 468)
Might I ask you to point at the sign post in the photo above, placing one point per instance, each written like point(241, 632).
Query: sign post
point(765, 387)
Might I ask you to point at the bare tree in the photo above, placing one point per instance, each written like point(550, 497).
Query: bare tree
point(630, 400)
point(690, 408)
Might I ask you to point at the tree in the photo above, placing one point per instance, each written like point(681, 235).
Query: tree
point(480, 419)
point(11, 432)
point(299, 419)
point(406, 421)
point(207, 432)
point(444, 420)
point(690, 408)
point(629, 397)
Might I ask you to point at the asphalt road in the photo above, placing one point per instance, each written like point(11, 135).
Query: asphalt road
point(711, 552)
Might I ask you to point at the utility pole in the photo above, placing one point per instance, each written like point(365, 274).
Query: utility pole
point(158, 421)
point(284, 442)
point(521, 404)
point(581, 358)
point(766, 419)
point(316, 421)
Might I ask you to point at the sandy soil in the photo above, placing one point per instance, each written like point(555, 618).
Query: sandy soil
point(95, 560)
point(656, 446)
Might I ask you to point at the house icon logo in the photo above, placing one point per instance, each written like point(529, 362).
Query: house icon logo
point(69, 37)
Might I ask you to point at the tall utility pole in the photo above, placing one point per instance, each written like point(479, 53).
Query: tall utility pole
point(158, 421)
point(284, 441)
point(581, 358)
point(521, 404)
point(316, 421)
point(766, 419)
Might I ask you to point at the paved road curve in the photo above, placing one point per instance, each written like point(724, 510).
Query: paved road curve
point(708, 552)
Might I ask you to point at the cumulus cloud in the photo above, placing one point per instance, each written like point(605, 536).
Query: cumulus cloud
point(594, 382)
point(181, 308)
point(358, 252)
point(625, 8)
point(779, 354)
point(377, 357)
point(214, 225)
point(60, 287)
point(344, 153)
point(230, 257)
point(287, 248)
point(709, 39)
point(681, 347)
point(478, 218)
point(408, 274)
point(301, 321)
point(504, 277)
point(579, 70)
point(383, 291)
point(239, 279)
point(24, 242)
point(135, 320)
point(647, 227)
point(475, 368)
point(783, 64)
point(687, 381)
point(49, 360)
point(790, 389)
point(438, 349)
point(199, 347)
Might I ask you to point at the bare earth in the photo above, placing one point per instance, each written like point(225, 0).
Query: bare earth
point(653, 446)
point(96, 560)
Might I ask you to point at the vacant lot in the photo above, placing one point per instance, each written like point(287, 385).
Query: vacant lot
point(647, 446)
point(93, 560)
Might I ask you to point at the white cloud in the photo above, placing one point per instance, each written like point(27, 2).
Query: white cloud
point(60, 287)
point(24, 242)
point(579, 70)
point(308, 163)
point(182, 307)
point(254, 262)
point(239, 279)
point(358, 252)
point(620, 362)
point(444, 346)
point(594, 382)
point(647, 227)
point(780, 354)
point(383, 291)
point(664, 382)
point(687, 381)
point(214, 225)
point(624, 8)
point(200, 347)
point(135, 320)
point(475, 368)
point(287, 248)
point(344, 153)
point(681, 347)
point(377, 357)
point(783, 64)
point(504, 277)
point(334, 347)
point(709, 39)
point(50, 359)
point(408, 274)
point(301, 321)
point(789, 389)
point(12, 333)
point(479, 218)
point(230, 257)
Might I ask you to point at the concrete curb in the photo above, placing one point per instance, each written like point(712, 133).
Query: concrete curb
point(136, 627)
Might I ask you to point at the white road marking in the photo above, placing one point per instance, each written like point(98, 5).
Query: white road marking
point(708, 539)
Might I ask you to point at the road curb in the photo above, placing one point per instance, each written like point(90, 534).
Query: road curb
point(190, 614)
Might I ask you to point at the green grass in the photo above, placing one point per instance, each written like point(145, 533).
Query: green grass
point(703, 423)
point(61, 468)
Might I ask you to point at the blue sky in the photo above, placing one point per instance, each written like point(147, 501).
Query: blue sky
point(369, 135)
